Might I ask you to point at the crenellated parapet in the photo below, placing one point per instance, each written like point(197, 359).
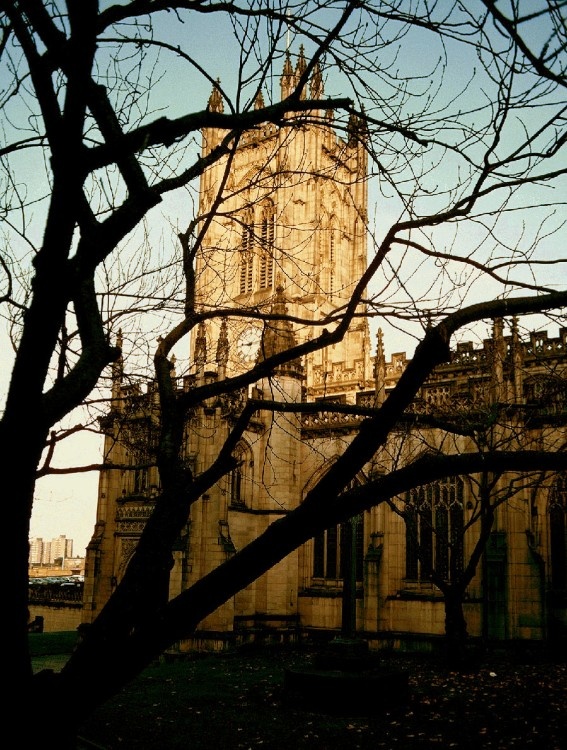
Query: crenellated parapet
point(540, 346)
point(503, 370)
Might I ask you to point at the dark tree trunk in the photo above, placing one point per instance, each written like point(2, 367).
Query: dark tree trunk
point(456, 634)
point(54, 721)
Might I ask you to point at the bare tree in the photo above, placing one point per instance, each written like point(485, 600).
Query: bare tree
point(90, 98)
point(449, 522)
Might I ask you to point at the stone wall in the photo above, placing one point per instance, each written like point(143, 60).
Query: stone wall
point(57, 617)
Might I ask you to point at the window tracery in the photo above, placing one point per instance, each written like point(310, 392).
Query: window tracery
point(257, 249)
point(247, 255)
point(434, 530)
point(328, 557)
point(239, 479)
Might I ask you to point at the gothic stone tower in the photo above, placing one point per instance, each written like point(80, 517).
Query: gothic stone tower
point(286, 235)
point(284, 221)
point(284, 231)
point(292, 215)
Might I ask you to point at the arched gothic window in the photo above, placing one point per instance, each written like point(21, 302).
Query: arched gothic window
point(328, 255)
point(328, 560)
point(140, 481)
point(257, 250)
point(434, 530)
point(558, 533)
point(239, 478)
point(267, 232)
point(246, 279)
point(332, 259)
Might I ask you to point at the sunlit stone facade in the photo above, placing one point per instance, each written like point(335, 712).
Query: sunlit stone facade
point(289, 236)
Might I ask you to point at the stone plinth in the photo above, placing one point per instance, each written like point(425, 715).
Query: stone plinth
point(346, 679)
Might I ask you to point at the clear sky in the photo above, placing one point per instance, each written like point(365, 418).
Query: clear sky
point(67, 504)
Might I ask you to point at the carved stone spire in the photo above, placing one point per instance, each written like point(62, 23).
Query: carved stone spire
point(380, 369)
point(288, 67)
point(259, 101)
point(498, 357)
point(301, 63)
point(223, 346)
point(316, 86)
point(201, 346)
point(117, 371)
point(353, 130)
point(517, 363)
point(300, 68)
point(288, 78)
point(215, 99)
point(278, 335)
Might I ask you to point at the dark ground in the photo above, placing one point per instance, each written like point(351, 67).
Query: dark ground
point(232, 701)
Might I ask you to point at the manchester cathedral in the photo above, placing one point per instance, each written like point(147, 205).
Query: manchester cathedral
point(284, 232)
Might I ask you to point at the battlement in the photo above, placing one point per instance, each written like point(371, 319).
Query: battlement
point(466, 357)
point(528, 373)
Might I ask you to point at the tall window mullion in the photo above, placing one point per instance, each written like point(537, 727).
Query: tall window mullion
point(332, 260)
point(434, 520)
point(329, 551)
point(328, 558)
point(412, 560)
point(247, 259)
point(457, 540)
point(426, 542)
point(359, 547)
point(140, 481)
point(442, 542)
point(267, 248)
point(250, 273)
point(332, 552)
point(319, 556)
point(236, 486)
point(238, 477)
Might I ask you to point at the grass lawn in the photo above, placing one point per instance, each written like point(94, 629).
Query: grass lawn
point(235, 700)
point(47, 644)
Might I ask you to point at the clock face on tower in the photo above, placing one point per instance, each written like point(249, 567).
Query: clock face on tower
point(248, 344)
